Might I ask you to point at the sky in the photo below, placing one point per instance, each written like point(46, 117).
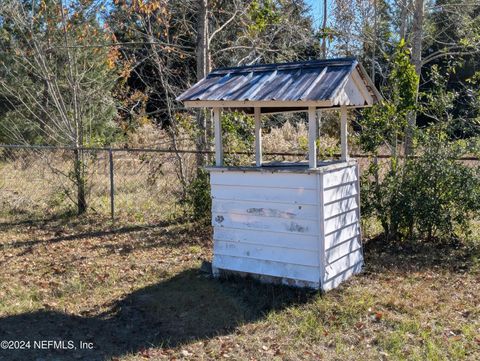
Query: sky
point(317, 10)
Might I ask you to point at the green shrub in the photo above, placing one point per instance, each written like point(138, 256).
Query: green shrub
point(238, 137)
point(433, 194)
point(198, 196)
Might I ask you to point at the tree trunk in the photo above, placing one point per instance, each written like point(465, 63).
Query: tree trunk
point(324, 29)
point(374, 42)
point(203, 67)
point(79, 181)
point(403, 18)
point(417, 37)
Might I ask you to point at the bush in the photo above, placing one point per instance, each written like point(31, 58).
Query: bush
point(238, 138)
point(433, 194)
point(198, 196)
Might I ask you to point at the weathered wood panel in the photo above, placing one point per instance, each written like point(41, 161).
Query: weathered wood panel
point(343, 276)
point(341, 206)
point(267, 238)
point(340, 250)
point(342, 264)
point(262, 195)
point(343, 248)
point(298, 226)
point(267, 253)
point(277, 210)
point(339, 176)
point(337, 193)
point(342, 220)
point(242, 221)
point(341, 235)
point(258, 179)
point(270, 268)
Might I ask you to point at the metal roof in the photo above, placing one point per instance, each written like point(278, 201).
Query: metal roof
point(299, 82)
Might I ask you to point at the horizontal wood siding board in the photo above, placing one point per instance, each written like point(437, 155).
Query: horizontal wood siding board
point(337, 193)
point(341, 199)
point(335, 281)
point(239, 221)
point(275, 180)
point(276, 210)
point(347, 247)
point(340, 206)
point(262, 195)
point(341, 184)
point(329, 216)
point(342, 264)
point(339, 176)
point(341, 235)
point(342, 220)
point(267, 253)
point(269, 268)
point(267, 238)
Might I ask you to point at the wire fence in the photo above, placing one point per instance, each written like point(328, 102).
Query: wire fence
point(133, 185)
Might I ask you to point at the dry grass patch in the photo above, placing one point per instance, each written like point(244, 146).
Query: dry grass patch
point(137, 293)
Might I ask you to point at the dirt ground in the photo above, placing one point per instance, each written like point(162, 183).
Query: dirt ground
point(136, 293)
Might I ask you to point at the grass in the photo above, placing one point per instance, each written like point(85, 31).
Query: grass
point(137, 293)
point(135, 290)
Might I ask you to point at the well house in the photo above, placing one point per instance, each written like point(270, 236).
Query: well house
point(296, 223)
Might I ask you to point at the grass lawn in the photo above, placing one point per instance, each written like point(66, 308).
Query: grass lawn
point(137, 293)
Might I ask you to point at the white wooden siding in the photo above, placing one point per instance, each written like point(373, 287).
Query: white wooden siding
point(258, 179)
point(264, 195)
point(269, 268)
point(343, 248)
point(266, 223)
point(296, 226)
point(267, 238)
point(247, 221)
point(343, 276)
point(280, 210)
point(266, 253)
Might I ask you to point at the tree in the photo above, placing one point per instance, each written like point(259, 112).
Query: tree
point(363, 29)
point(57, 86)
point(417, 40)
point(324, 30)
point(384, 125)
point(162, 43)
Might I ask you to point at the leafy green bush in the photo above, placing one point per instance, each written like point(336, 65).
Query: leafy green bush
point(433, 194)
point(441, 193)
point(238, 137)
point(198, 196)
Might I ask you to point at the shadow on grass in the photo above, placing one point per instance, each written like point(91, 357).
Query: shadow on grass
point(57, 226)
point(28, 220)
point(417, 255)
point(190, 306)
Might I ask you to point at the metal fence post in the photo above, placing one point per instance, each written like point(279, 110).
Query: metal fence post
point(112, 189)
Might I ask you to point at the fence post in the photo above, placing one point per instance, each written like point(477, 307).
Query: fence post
point(112, 189)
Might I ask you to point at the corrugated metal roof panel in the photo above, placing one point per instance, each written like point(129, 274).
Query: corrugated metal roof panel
point(313, 80)
point(285, 87)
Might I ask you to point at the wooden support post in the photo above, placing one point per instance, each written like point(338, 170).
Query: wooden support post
point(319, 121)
point(258, 136)
point(344, 132)
point(112, 188)
point(312, 137)
point(218, 137)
